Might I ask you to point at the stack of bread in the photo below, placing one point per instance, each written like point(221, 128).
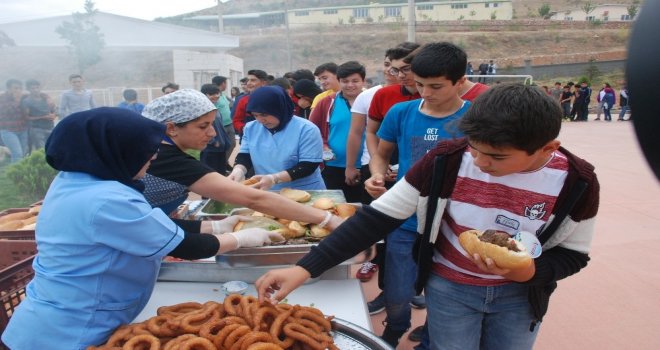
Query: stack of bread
point(22, 220)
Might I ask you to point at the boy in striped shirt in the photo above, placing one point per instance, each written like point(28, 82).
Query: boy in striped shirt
point(508, 174)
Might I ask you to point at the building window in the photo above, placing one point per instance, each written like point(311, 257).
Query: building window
point(591, 18)
point(301, 13)
point(496, 4)
point(330, 12)
point(392, 11)
point(568, 18)
point(487, 5)
point(361, 12)
point(625, 17)
point(605, 19)
point(459, 6)
point(424, 7)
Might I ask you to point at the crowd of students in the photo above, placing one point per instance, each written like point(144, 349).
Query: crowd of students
point(379, 146)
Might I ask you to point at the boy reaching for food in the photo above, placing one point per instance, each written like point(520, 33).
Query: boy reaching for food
point(508, 174)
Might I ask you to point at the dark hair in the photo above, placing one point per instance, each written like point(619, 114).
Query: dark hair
point(32, 82)
point(349, 68)
point(74, 76)
point(557, 83)
point(401, 51)
point(282, 82)
point(261, 75)
point(172, 86)
point(244, 80)
point(130, 95)
point(235, 88)
point(513, 115)
point(11, 82)
point(307, 88)
point(330, 67)
point(608, 85)
point(301, 74)
point(218, 80)
point(441, 59)
point(210, 89)
point(567, 86)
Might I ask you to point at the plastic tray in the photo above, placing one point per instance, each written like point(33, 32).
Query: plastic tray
point(15, 273)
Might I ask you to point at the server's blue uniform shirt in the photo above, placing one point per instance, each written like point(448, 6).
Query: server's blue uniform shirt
point(100, 246)
point(299, 141)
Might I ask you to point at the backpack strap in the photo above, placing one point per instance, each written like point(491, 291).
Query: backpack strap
point(575, 194)
point(425, 248)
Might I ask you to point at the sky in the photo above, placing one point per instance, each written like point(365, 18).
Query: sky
point(22, 10)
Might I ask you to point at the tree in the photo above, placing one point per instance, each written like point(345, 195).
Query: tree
point(84, 37)
point(632, 9)
point(544, 10)
point(588, 7)
point(5, 40)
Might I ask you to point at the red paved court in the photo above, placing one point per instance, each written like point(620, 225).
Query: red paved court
point(614, 303)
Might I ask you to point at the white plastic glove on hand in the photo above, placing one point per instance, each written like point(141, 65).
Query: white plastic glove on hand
point(255, 237)
point(227, 225)
point(265, 181)
point(238, 174)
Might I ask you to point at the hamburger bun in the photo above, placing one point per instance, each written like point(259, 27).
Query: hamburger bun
point(28, 227)
point(21, 215)
point(296, 230)
point(35, 210)
point(249, 182)
point(345, 210)
point(259, 222)
point(11, 225)
point(296, 195)
point(318, 232)
point(324, 203)
point(502, 256)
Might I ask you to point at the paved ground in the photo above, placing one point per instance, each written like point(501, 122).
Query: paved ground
point(614, 303)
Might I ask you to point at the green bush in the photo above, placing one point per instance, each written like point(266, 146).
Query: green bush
point(32, 175)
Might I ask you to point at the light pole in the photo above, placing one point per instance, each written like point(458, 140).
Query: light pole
point(411, 21)
point(221, 26)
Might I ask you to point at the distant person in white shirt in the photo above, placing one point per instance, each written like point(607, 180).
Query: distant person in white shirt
point(77, 99)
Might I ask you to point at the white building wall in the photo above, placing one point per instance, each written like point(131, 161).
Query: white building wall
point(603, 13)
point(192, 68)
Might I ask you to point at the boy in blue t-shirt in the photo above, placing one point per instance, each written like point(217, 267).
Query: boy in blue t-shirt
point(414, 128)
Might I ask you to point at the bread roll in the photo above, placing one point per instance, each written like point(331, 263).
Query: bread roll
point(324, 203)
point(11, 225)
point(35, 210)
point(502, 256)
point(296, 195)
point(28, 227)
point(30, 220)
point(249, 182)
point(318, 232)
point(345, 210)
point(21, 215)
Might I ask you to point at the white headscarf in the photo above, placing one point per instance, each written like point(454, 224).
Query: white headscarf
point(178, 107)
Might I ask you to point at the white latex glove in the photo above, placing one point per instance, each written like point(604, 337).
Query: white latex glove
point(227, 225)
point(255, 237)
point(238, 174)
point(265, 181)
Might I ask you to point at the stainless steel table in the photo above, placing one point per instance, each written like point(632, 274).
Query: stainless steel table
point(342, 298)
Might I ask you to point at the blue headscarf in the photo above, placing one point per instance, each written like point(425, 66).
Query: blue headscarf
point(109, 143)
point(272, 100)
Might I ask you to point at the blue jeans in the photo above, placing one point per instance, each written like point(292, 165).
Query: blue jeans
point(16, 142)
point(622, 114)
point(472, 317)
point(400, 276)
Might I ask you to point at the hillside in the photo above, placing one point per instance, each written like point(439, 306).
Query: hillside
point(509, 43)
point(521, 8)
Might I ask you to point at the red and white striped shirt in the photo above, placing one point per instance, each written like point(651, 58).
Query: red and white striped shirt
point(511, 203)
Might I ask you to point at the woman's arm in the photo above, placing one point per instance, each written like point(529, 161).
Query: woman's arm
point(215, 186)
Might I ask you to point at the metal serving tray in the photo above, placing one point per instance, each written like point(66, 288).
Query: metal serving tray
point(214, 210)
point(349, 336)
point(245, 264)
